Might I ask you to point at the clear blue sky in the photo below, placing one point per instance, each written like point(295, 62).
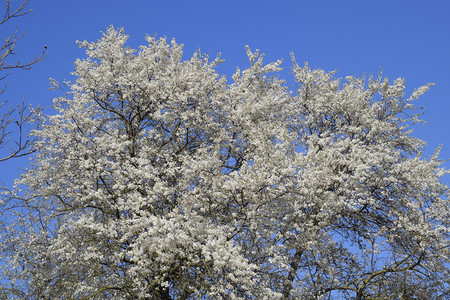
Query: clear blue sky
point(407, 38)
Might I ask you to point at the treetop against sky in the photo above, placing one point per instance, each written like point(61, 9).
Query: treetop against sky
point(162, 173)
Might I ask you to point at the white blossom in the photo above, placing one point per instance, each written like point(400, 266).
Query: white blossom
point(158, 179)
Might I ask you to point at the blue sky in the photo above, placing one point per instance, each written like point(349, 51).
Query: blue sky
point(406, 38)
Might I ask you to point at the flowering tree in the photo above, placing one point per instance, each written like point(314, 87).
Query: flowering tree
point(158, 179)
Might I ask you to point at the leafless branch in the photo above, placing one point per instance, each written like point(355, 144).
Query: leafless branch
point(20, 115)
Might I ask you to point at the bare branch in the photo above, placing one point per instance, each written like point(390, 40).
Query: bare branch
point(18, 12)
point(21, 146)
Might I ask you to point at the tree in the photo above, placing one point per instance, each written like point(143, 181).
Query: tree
point(158, 179)
point(14, 119)
point(21, 146)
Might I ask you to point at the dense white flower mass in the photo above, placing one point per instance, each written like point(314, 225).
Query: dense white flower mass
point(158, 179)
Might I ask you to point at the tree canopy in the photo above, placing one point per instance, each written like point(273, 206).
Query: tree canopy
point(157, 178)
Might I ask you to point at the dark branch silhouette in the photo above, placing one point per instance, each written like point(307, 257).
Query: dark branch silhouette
point(14, 118)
